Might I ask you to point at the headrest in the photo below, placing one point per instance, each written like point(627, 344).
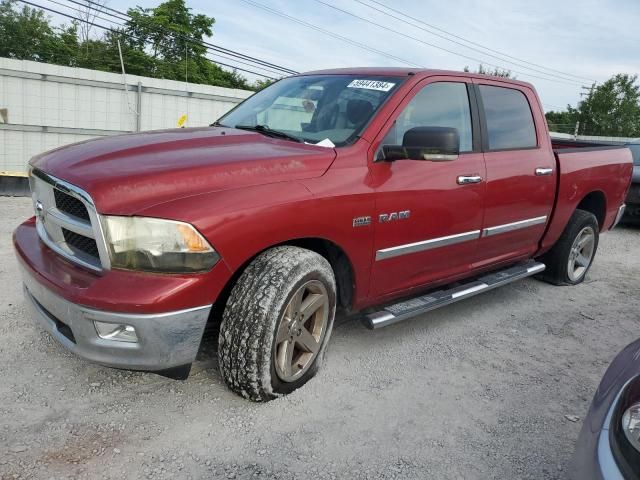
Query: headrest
point(358, 111)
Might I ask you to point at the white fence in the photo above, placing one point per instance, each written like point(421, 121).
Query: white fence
point(594, 138)
point(45, 106)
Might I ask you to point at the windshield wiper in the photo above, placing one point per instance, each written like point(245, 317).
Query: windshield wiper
point(265, 130)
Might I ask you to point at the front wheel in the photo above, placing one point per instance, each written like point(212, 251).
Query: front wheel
point(277, 323)
point(570, 258)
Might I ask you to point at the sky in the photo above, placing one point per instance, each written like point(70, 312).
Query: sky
point(586, 40)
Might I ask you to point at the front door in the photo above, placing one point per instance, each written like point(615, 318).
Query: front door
point(428, 214)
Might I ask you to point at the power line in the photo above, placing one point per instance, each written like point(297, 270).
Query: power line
point(190, 39)
point(121, 33)
point(378, 25)
point(102, 9)
point(212, 46)
point(329, 33)
point(413, 19)
point(563, 76)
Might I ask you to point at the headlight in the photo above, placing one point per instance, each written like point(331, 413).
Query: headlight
point(157, 245)
point(631, 425)
point(624, 433)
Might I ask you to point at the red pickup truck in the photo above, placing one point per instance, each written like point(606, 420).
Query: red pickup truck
point(388, 192)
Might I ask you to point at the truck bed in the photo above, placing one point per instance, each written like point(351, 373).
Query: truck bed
point(586, 169)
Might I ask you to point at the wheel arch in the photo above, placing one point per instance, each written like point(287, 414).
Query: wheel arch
point(335, 255)
point(595, 202)
point(339, 261)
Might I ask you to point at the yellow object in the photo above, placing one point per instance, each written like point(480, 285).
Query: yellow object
point(182, 121)
point(193, 241)
point(4, 173)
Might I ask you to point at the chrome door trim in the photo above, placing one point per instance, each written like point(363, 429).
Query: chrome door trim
point(543, 171)
point(408, 248)
point(509, 227)
point(432, 243)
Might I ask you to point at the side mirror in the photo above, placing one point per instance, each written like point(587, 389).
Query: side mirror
point(436, 144)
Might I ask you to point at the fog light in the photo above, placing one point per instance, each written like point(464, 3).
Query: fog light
point(114, 331)
point(631, 425)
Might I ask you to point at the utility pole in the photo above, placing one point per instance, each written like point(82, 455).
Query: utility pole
point(589, 95)
point(575, 132)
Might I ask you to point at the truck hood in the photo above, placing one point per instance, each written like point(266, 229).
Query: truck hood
point(128, 173)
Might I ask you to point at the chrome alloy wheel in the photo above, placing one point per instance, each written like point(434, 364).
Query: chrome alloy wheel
point(581, 253)
point(300, 331)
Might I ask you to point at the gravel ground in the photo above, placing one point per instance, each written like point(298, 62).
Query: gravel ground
point(481, 389)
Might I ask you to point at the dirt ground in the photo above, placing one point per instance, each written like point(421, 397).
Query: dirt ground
point(480, 389)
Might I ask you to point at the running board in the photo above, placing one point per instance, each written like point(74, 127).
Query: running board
point(416, 306)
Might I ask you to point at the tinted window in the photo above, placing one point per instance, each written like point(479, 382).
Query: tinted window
point(441, 104)
point(509, 120)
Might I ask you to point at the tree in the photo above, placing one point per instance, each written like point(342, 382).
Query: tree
point(170, 29)
point(173, 37)
point(261, 84)
point(563, 122)
point(496, 72)
point(25, 34)
point(612, 109)
point(161, 42)
point(87, 14)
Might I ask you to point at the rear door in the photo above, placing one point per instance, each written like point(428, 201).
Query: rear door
point(521, 172)
point(427, 221)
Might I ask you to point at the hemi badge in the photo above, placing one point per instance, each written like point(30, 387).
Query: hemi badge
point(362, 221)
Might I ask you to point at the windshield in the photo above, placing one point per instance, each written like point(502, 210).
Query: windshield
point(635, 152)
point(314, 108)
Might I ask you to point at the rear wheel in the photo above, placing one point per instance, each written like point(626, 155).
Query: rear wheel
point(571, 257)
point(277, 323)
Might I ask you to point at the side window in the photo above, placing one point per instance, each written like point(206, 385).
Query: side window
point(442, 104)
point(509, 120)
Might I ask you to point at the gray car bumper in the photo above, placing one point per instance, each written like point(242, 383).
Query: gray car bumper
point(608, 467)
point(165, 340)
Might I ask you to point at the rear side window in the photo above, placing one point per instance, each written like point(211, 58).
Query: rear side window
point(509, 119)
point(635, 151)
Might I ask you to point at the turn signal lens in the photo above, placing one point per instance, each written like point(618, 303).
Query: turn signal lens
point(192, 239)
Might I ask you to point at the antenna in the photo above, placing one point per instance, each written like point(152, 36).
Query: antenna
point(124, 80)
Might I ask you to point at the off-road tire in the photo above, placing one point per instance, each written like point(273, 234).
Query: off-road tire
point(253, 310)
point(557, 259)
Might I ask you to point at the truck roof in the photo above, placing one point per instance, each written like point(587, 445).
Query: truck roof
point(404, 71)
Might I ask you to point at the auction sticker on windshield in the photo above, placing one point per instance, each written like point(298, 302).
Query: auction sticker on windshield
point(372, 85)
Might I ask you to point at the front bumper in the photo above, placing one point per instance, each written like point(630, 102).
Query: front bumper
point(165, 340)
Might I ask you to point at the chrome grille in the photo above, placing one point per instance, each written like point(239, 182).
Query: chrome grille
point(67, 221)
point(71, 205)
point(80, 242)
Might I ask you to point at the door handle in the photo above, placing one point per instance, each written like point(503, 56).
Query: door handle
point(542, 171)
point(467, 179)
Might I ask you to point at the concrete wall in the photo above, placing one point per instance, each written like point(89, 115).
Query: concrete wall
point(45, 106)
